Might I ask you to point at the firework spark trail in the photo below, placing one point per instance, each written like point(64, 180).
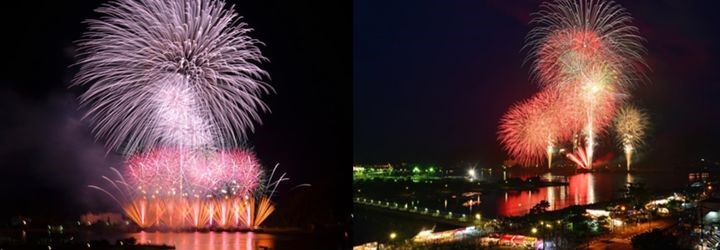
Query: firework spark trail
point(132, 51)
point(588, 53)
point(208, 209)
point(235, 172)
point(574, 37)
point(585, 43)
point(630, 126)
point(580, 158)
point(124, 194)
point(178, 118)
point(174, 85)
point(530, 128)
point(238, 169)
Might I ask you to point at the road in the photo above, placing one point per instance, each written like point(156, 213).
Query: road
point(620, 238)
point(416, 214)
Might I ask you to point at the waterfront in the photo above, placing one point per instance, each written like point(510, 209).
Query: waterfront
point(584, 188)
point(225, 240)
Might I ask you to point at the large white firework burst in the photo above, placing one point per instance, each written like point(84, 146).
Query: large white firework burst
point(143, 53)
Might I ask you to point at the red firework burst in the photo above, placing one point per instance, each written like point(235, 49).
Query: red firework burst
point(574, 37)
point(585, 56)
point(530, 126)
point(551, 117)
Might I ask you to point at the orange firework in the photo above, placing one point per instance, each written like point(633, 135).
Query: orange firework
point(175, 211)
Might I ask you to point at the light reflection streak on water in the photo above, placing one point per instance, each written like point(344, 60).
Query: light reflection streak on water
point(551, 198)
point(249, 241)
point(208, 240)
point(580, 190)
point(224, 240)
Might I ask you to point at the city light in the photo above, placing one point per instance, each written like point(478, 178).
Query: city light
point(393, 235)
point(617, 222)
point(711, 216)
point(416, 169)
point(534, 230)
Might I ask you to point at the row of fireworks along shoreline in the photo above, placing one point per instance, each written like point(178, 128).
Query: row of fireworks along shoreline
point(174, 86)
point(587, 58)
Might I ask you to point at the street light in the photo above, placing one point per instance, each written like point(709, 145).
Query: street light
point(534, 230)
point(393, 235)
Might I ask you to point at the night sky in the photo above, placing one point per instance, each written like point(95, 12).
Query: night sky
point(433, 78)
point(48, 155)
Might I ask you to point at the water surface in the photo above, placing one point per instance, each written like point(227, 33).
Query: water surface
point(210, 240)
point(585, 188)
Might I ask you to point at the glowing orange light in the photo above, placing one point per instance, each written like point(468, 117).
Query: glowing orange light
point(217, 213)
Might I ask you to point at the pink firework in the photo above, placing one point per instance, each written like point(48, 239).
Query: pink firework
point(168, 171)
point(155, 170)
point(580, 158)
point(234, 171)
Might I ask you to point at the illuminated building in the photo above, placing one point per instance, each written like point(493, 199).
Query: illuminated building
point(111, 218)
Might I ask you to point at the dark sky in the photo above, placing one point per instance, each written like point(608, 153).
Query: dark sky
point(48, 156)
point(432, 78)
